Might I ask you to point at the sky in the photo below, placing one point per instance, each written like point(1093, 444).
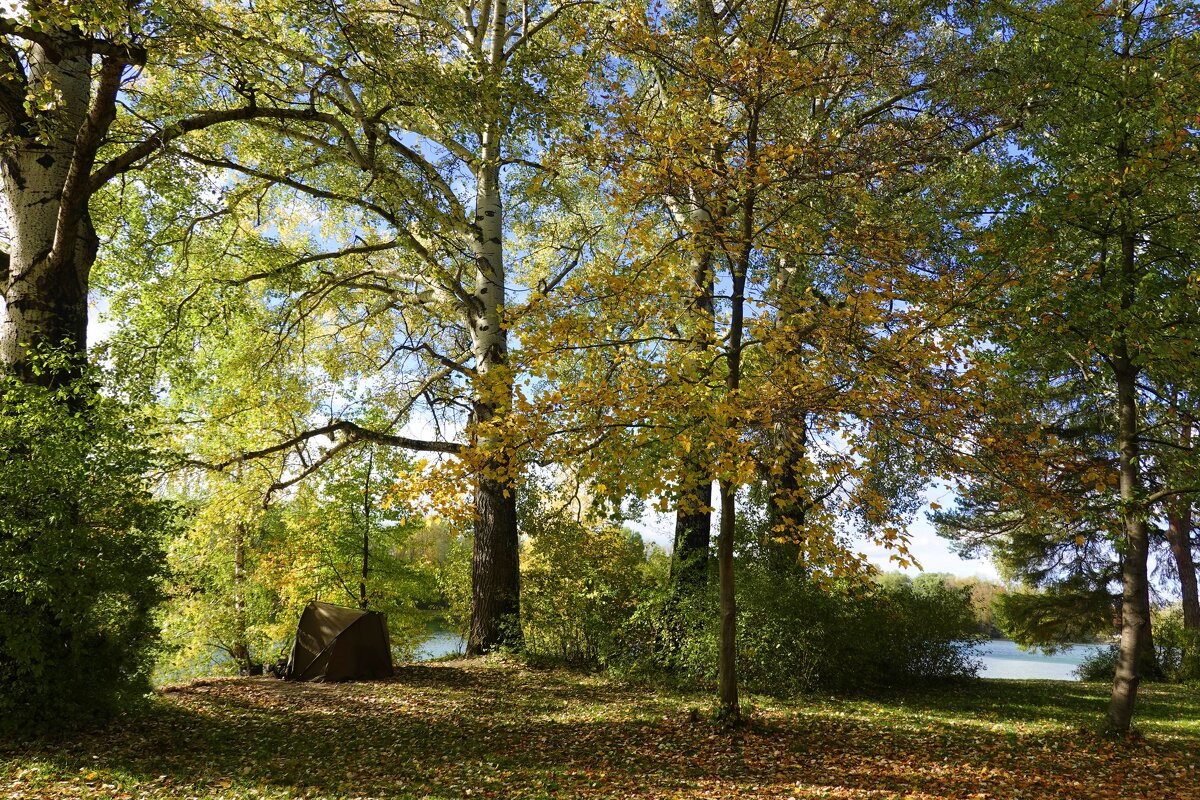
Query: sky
point(932, 552)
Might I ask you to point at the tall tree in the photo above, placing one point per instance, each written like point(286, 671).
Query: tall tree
point(1091, 252)
point(784, 145)
point(421, 119)
point(64, 69)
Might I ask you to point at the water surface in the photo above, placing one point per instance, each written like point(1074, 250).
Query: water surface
point(1003, 659)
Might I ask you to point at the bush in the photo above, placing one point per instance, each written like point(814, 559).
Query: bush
point(580, 587)
point(1100, 665)
point(1178, 648)
point(794, 636)
point(81, 544)
point(1176, 651)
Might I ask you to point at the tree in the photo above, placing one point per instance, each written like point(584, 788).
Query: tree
point(416, 125)
point(64, 68)
point(787, 164)
point(1094, 309)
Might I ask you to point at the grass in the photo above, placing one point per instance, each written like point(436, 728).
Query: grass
point(494, 729)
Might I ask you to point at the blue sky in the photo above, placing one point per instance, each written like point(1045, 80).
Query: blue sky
point(932, 551)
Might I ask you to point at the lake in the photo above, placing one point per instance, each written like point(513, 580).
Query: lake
point(442, 643)
point(1003, 659)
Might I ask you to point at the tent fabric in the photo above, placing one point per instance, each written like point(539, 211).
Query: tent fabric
point(334, 643)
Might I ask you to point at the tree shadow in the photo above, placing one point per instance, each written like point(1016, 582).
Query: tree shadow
point(446, 731)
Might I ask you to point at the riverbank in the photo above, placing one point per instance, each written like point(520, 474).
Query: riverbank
point(494, 729)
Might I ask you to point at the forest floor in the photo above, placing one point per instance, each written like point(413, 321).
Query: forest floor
point(498, 730)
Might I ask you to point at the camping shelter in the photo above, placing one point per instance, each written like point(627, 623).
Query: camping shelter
point(334, 643)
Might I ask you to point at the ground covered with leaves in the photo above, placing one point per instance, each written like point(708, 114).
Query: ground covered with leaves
point(495, 729)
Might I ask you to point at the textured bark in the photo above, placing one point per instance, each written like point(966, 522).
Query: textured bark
point(53, 244)
point(495, 571)
point(1135, 598)
point(1179, 537)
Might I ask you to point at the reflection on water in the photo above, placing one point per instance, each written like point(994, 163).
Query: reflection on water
point(1003, 659)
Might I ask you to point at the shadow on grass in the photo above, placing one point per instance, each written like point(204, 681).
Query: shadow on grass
point(449, 732)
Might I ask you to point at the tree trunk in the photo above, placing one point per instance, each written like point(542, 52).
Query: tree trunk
point(495, 568)
point(693, 519)
point(53, 244)
point(1179, 537)
point(727, 684)
point(1135, 602)
point(366, 538)
point(727, 662)
point(785, 514)
point(693, 532)
point(240, 648)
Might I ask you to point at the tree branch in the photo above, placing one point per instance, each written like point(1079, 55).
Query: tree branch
point(532, 30)
point(130, 54)
point(354, 433)
point(200, 121)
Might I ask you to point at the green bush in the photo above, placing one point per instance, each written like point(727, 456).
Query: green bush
point(580, 586)
point(1176, 651)
point(1178, 648)
point(795, 636)
point(1100, 665)
point(81, 544)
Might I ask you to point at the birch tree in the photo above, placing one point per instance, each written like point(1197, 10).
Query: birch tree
point(65, 68)
point(421, 117)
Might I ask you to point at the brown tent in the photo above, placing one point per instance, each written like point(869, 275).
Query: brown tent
point(339, 644)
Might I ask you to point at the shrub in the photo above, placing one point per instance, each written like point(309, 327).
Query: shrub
point(1178, 648)
point(795, 636)
point(1101, 665)
point(580, 587)
point(81, 543)
point(1176, 651)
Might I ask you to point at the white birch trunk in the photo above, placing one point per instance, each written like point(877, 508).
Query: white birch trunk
point(495, 571)
point(45, 291)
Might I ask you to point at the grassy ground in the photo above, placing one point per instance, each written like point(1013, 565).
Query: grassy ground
point(460, 729)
